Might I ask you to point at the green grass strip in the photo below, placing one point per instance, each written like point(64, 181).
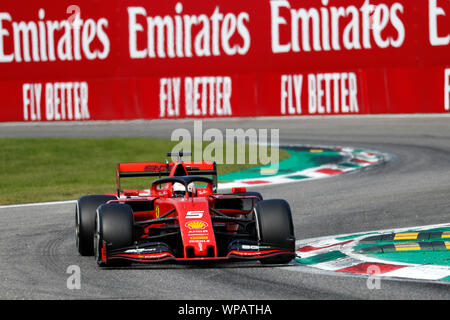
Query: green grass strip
point(52, 169)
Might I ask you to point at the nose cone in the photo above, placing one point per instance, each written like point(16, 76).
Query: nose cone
point(196, 228)
point(199, 236)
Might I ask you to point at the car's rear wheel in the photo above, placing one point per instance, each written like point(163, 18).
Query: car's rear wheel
point(114, 227)
point(85, 212)
point(274, 227)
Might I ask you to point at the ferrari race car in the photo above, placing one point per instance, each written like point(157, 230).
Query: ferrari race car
point(182, 218)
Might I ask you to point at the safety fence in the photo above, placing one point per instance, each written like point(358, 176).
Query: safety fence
point(122, 59)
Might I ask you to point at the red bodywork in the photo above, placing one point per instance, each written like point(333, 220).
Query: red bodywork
point(202, 225)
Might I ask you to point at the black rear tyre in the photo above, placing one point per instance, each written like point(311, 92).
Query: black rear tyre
point(274, 226)
point(114, 225)
point(85, 212)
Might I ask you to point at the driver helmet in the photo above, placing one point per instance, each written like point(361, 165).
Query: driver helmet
point(178, 190)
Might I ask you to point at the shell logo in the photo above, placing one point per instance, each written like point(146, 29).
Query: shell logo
point(196, 224)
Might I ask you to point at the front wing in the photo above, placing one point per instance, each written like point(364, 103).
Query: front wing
point(160, 252)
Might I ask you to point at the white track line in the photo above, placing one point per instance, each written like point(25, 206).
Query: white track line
point(10, 206)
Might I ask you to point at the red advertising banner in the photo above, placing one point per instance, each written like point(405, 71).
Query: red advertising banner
point(123, 60)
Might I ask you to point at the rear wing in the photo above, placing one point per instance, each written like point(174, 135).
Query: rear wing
point(160, 169)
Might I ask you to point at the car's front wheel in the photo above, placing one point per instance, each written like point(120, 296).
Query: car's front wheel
point(85, 212)
point(274, 226)
point(114, 227)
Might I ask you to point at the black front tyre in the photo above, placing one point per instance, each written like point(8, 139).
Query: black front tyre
point(114, 226)
point(274, 226)
point(85, 212)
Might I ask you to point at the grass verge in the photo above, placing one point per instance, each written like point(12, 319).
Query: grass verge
point(53, 169)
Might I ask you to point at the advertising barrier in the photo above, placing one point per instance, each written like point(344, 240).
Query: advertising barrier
point(124, 60)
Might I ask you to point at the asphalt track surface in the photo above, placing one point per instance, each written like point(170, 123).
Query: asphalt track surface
point(413, 188)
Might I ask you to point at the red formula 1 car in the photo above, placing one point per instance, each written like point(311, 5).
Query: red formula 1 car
point(182, 218)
